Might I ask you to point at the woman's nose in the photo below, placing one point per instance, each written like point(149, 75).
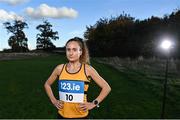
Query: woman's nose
point(70, 52)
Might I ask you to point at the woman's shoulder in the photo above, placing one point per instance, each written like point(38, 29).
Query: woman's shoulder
point(89, 68)
point(59, 68)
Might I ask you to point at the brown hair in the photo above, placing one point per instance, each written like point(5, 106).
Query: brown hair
point(84, 58)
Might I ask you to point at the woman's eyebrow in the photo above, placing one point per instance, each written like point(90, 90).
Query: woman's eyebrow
point(71, 48)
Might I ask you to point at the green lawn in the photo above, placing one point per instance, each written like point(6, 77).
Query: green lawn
point(133, 95)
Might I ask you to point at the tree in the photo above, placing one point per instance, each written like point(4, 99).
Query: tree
point(47, 34)
point(110, 37)
point(18, 41)
point(125, 36)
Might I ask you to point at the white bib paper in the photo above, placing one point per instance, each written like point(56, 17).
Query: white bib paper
point(71, 91)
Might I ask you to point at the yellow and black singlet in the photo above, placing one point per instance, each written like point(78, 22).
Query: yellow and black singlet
point(73, 89)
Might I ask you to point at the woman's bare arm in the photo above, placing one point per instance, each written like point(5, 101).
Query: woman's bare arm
point(49, 82)
point(105, 88)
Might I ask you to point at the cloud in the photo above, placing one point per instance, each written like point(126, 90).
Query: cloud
point(13, 2)
point(4, 16)
point(51, 12)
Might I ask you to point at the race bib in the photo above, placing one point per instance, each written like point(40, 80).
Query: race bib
point(71, 91)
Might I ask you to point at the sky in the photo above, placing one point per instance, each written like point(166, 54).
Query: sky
point(70, 17)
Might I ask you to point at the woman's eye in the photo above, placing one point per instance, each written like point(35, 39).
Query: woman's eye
point(67, 49)
point(75, 49)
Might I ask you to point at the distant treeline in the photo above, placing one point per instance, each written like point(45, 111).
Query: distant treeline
point(125, 36)
point(122, 36)
point(19, 42)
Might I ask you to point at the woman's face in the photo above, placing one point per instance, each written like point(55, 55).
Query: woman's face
point(73, 51)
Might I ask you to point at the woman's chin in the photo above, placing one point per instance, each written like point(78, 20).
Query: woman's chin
point(73, 60)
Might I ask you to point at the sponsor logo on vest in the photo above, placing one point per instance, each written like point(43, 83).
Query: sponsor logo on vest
point(71, 91)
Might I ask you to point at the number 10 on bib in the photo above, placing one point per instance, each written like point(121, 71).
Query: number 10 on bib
point(71, 91)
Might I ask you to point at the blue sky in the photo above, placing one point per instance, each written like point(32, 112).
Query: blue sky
point(70, 17)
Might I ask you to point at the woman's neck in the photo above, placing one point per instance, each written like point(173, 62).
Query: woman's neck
point(73, 67)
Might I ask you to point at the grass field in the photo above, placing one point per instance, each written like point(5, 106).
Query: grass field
point(133, 95)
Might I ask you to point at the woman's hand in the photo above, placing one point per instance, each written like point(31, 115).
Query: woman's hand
point(86, 106)
point(58, 104)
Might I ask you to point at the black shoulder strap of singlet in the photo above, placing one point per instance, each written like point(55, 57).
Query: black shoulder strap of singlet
point(88, 77)
point(85, 92)
point(62, 69)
